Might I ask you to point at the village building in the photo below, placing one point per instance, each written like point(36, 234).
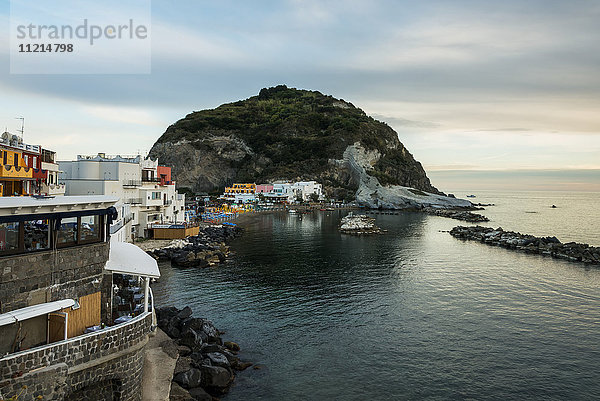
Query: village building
point(27, 169)
point(146, 191)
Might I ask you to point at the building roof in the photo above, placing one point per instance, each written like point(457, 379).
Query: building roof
point(17, 205)
point(126, 258)
point(34, 311)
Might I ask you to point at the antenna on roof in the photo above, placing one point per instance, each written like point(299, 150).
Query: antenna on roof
point(22, 130)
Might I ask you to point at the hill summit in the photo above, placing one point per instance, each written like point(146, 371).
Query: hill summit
point(290, 134)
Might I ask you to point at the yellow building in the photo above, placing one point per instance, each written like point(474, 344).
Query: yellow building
point(241, 189)
point(13, 173)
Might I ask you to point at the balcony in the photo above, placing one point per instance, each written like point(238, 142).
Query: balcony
point(150, 179)
point(168, 202)
point(54, 190)
point(133, 201)
point(132, 183)
point(7, 171)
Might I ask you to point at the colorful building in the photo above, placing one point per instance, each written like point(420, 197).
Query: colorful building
point(27, 169)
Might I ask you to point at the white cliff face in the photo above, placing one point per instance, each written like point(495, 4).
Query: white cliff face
point(372, 194)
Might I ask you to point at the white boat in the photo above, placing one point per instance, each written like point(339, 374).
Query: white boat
point(292, 211)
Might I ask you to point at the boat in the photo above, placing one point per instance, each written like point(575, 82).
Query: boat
point(292, 211)
point(470, 196)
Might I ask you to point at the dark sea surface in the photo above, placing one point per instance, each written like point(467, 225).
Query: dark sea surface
point(411, 314)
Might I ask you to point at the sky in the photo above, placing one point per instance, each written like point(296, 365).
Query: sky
point(469, 86)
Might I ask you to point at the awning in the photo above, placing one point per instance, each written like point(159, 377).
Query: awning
point(34, 311)
point(126, 258)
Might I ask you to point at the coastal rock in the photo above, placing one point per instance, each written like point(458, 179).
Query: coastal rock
point(456, 214)
point(190, 338)
point(230, 345)
point(185, 313)
point(178, 393)
point(203, 361)
point(199, 394)
point(359, 161)
point(359, 225)
point(215, 379)
point(218, 359)
point(203, 250)
point(188, 379)
point(549, 246)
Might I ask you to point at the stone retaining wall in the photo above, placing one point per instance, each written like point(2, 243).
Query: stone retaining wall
point(100, 366)
point(38, 277)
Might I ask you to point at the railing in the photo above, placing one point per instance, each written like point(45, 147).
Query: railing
point(116, 227)
point(168, 202)
point(133, 201)
point(132, 183)
point(127, 218)
point(150, 179)
point(80, 352)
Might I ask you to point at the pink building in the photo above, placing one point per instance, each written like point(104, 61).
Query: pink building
point(264, 188)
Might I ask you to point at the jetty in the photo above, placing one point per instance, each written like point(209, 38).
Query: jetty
point(549, 246)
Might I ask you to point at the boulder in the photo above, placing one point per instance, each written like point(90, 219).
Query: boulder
point(189, 379)
point(199, 394)
point(192, 339)
point(179, 394)
point(218, 359)
point(183, 364)
point(215, 378)
point(230, 345)
point(185, 313)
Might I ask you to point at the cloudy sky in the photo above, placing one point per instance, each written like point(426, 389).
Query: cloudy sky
point(468, 85)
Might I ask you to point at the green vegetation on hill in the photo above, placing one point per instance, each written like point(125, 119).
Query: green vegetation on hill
point(293, 133)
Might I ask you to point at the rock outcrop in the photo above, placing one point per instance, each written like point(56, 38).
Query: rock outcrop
point(290, 134)
point(549, 246)
point(205, 366)
point(208, 248)
point(359, 225)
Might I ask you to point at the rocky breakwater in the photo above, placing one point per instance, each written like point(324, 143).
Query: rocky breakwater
point(456, 214)
point(206, 365)
point(359, 225)
point(549, 246)
point(208, 248)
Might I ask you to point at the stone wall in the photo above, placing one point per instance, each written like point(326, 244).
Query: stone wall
point(100, 366)
point(30, 279)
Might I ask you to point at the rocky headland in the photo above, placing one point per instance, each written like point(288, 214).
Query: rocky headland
point(289, 134)
point(208, 248)
point(549, 246)
point(205, 365)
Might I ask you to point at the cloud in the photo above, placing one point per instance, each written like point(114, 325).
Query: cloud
point(403, 122)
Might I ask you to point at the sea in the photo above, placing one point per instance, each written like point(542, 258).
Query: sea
point(408, 315)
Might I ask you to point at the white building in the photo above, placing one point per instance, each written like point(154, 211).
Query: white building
point(291, 192)
point(146, 193)
point(306, 189)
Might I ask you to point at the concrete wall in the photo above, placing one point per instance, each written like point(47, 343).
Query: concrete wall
point(100, 366)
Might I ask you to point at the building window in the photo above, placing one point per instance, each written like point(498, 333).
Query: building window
point(155, 195)
point(90, 228)
point(68, 231)
point(9, 237)
point(37, 235)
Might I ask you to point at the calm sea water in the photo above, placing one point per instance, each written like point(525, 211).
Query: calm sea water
point(412, 314)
